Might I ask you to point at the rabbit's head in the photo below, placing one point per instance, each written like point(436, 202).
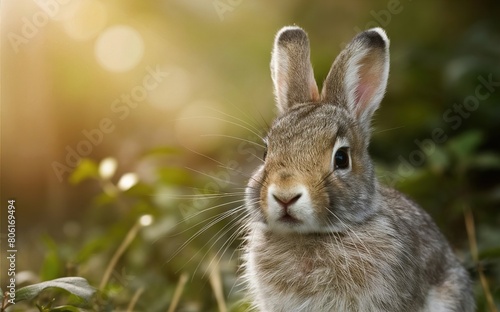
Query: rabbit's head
point(317, 176)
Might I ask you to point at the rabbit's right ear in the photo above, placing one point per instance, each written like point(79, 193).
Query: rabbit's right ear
point(291, 69)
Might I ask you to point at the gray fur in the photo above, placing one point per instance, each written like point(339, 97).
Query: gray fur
point(354, 245)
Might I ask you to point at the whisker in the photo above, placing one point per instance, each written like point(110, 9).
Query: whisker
point(371, 258)
point(212, 196)
point(203, 196)
point(232, 238)
point(203, 155)
point(264, 120)
point(390, 129)
point(237, 107)
point(216, 235)
point(234, 170)
point(345, 272)
point(215, 242)
point(355, 245)
point(226, 121)
point(200, 212)
point(219, 218)
point(209, 176)
point(234, 117)
point(233, 137)
point(259, 158)
point(328, 174)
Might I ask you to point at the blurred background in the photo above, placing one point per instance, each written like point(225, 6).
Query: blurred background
point(136, 124)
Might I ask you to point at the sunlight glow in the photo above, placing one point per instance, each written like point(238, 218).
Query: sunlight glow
point(87, 20)
point(146, 220)
point(127, 181)
point(175, 91)
point(107, 167)
point(119, 48)
point(198, 127)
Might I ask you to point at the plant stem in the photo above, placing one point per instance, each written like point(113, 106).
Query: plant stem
point(4, 302)
point(471, 233)
point(216, 282)
point(132, 233)
point(134, 300)
point(178, 292)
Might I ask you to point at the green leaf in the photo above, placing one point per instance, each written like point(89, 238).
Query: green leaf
point(86, 169)
point(51, 266)
point(464, 145)
point(104, 199)
point(439, 160)
point(485, 161)
point(77, 286)
point(63, 308)
point(91, 248)
point(40, 308)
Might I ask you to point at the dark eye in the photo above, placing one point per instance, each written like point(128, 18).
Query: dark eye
point(341, 158)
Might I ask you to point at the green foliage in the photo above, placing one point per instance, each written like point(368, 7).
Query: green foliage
point(86, 169)
point(179, 239)
point(77, 286)
point(51, 267)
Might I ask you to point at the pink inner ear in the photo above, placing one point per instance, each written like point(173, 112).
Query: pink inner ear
point(366, 88)
point(361, 91)
point(314, 92)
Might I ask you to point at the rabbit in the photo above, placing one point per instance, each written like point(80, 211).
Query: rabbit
point(322, 233)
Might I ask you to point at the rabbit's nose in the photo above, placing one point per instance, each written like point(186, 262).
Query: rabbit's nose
point(286, 201)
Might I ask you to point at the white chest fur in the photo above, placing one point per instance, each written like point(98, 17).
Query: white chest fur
point(337, 272)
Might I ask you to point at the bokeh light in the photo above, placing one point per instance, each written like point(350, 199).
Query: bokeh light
point(87, 19)
point(119, 48)
point(127, 181)
point(146, 220)
point(107, 167)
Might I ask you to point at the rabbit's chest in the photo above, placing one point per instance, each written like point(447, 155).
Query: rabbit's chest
point(313, 264)
point(311, 271)
point(291, 282)
point(315, 273)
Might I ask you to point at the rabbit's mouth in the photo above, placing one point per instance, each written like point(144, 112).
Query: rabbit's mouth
point(288, 219)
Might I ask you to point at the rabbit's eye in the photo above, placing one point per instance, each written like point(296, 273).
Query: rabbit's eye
point(341, 158)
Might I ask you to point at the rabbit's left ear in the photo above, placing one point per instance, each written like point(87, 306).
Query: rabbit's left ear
point(358, 77)
point(291, 69)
